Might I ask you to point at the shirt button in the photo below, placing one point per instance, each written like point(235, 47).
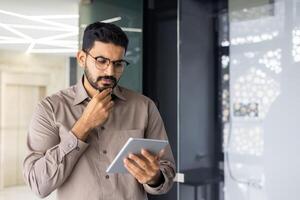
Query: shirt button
point(104, 151)
point(102, 128)
point(77, 148)
point(107, 177)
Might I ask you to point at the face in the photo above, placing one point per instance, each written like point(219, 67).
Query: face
point(100, 79)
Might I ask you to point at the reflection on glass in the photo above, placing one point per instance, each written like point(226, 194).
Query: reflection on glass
point(247, 141)
point(296, 44)
point(272, 60)
point(253, 94)
point(250, 39)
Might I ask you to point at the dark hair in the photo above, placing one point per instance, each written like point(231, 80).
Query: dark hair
point(103, 32)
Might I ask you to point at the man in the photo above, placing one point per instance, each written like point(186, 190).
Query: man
point(76, 133)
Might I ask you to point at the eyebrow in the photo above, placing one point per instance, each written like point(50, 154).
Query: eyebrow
point(96, 57)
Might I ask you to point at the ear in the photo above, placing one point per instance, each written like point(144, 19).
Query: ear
point(81, 58)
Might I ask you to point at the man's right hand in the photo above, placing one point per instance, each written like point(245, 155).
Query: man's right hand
point(95, 114)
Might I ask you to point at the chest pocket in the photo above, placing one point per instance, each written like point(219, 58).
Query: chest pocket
point(120, 137)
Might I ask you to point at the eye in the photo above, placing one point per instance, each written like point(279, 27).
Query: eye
point(101, 60)
point(119, 64)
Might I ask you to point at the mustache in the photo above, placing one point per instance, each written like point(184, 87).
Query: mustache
point(107, 77)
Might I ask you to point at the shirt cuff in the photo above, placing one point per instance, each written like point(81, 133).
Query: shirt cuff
point(164, 186)
point(70, 142)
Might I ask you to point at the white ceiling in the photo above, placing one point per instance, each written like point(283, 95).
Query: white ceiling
point(36, 26)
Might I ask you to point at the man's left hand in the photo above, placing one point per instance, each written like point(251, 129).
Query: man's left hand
point(144, 167)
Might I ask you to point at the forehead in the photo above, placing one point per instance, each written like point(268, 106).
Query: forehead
point(108, 50)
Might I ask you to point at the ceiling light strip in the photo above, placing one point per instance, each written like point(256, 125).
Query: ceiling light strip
point(114, 19)
point(56, 16)
point(8, 38)
point(15, 42)
point(110, 20)
point(65, 44)
point(15, 31)
point(139, 30)
point(29, 49)
point(32, 18)
point(53, 51)
point(51, 28)
point(55, 44)
point(65, 35)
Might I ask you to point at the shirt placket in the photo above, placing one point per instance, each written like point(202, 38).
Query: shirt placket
point(102, 149)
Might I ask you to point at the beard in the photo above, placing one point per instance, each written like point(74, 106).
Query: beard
point(94, 83)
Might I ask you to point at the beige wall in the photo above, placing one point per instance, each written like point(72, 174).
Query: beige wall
point(53, 65)
point(24, 80)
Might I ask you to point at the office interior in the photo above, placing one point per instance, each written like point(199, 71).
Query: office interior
point(223, 73)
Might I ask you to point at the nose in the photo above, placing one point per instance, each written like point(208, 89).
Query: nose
point(110, 70)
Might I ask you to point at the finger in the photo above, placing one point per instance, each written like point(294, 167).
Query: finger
point(150, 157)
point(139, 161)
point(109, 106)
point(132, 172)
point(133, 169)
point(134, 165)
point(103, 94)
point(105, 100)
point(139, 178)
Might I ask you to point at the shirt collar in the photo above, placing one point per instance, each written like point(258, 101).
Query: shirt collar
point(118, 92)
point(81, 94)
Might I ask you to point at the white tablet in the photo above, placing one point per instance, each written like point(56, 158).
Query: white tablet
point(134, 145)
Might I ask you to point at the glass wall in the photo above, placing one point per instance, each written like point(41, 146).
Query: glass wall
point(261, 139)
point(197, 100)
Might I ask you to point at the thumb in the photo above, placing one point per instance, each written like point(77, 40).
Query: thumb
point(161, 153)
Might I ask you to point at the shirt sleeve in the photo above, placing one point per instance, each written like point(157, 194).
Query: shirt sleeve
point(156, 130)
point(52, 152)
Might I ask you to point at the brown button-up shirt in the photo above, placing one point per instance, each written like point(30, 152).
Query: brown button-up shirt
point(57, 160)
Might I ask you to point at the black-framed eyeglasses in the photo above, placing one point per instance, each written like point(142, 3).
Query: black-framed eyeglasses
point(102, 63)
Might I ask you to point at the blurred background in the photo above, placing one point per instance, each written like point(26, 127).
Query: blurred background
point(223, 73)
